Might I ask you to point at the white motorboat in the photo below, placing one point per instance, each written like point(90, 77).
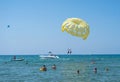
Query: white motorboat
point(50, 56)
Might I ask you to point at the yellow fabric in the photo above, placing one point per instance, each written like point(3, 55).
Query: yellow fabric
point(76, 27)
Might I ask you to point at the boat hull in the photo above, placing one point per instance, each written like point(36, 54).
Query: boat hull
point(18, 59)
point(49, 57)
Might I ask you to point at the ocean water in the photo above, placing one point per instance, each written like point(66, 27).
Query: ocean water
point(67, 66)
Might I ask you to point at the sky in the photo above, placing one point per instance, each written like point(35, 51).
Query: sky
point(35, 26)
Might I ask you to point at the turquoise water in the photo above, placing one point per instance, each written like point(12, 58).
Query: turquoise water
point(67, 66)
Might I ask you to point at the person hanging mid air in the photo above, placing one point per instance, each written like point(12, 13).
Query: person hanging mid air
point(69, 51)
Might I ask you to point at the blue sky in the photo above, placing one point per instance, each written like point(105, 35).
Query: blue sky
point(35, 26)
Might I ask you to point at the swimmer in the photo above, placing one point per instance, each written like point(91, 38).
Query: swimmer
point(43, 68)
point(5, 62)
point(95, 70)
point(106, 69)
point(26, 62)
point(78, 71)
point(54, 67)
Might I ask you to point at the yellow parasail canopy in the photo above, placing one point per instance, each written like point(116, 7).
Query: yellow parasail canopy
point(76, 27)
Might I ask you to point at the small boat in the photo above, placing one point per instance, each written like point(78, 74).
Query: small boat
point(18, 59)
point(50, 56)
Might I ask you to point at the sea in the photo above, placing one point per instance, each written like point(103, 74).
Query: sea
point(67, 66)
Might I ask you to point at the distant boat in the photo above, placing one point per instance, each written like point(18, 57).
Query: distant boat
point(49, 56)
point(17, 59)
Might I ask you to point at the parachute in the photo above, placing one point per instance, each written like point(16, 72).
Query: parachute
point(76, 27)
